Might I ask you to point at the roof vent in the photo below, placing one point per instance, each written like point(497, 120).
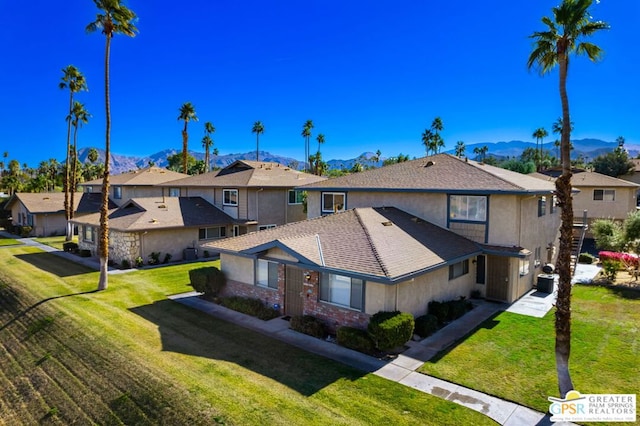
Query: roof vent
point(429, 163)
point(162, 206)
point(387, 223)
point(153, 221)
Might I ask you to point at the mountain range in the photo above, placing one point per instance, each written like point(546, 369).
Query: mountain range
point(587, 148)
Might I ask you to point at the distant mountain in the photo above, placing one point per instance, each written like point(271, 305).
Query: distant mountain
point(587, 148)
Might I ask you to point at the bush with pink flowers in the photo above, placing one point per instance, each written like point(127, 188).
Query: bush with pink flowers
point(624, 258)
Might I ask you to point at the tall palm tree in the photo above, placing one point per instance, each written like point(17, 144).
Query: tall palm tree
point(481, 152)
point(79, 116)
point(112, 18)
point(436, 128)
point(207, 142)
point(73, 80)
point(215, 155)
point(306, 134)
point(556, 128)
point(318, 157)
point(427, 138)
point(258, 129)
point(540, 133)
point(564, 35)
point(187, 114)
point(460, 148)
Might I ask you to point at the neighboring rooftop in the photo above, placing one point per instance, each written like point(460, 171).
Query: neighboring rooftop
point(142, 177)
point(43, 202)
point(247, 174)
point(384, 243)
point(139, 214)
point(440, 172)
point(585, 178)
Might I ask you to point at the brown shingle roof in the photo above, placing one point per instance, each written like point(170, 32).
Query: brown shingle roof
point(243, 174)
point(441, 172)
point(142, 214)
point(43, 202)
point(385, 243)
point(148, 176)
point(587, 178)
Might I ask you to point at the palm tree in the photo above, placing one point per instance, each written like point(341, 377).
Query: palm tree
point(112, 18)
point(187, 114)
point(207, 142)
point(93, 155)
point(460, 148)
point(556, 128)
point(318, 160)
point(540, 133)
point(79, 116)
point(73, 80)
point(436, 128)
point(258, 129)
point(306, 134)
point(564, 35)
point(427, 138)
point(215, 155)
point(481, 152)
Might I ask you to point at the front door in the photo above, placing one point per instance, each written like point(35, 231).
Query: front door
point(293, 293)
point(497, 278)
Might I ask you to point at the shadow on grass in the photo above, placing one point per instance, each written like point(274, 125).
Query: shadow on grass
point(191, 332)
point(631, 292)
point(487, 324)
point(54, 264)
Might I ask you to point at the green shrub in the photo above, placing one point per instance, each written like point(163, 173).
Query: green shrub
point(85, 253)
point(426, 325)
point(69, 247)
point(610, 269)
point(25, 231)
point(154, 258)
point(125, 264)
point(206, 254)
point(458, 308)
point(391, 329)
point(249, 306)
point(139, 262)
point(587, 258)
point(208, 280)
point(439, 310)
point(476, 294)
point(167, 258)
point(356, 339)
point(308, 325)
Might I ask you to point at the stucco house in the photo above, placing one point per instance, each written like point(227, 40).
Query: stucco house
point(178, 226)
point(512, 216)
point(135, 184)
point(44, 211)
point(601, 196)
point(344, 267)
point(257, 194)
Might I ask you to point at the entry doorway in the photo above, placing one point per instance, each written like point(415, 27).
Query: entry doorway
point(497, 278)
point(294, 291)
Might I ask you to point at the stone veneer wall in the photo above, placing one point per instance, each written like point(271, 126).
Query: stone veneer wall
point(124, 245)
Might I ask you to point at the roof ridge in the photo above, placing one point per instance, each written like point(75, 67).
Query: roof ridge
point(383, 266)
point(476, 166)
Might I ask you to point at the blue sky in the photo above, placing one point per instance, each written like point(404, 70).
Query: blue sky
point(370, 74)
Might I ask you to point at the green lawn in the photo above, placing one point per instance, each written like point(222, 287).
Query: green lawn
point(55, 241)
point(128, 355)
point(512, 356)
point(8, 242)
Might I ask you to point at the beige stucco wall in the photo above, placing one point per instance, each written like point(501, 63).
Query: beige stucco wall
point(625, 202)
point(238, 268)
point(277, 253)
point(267, 206)
point(44, 224)
point(207, 193)
point(172, 241)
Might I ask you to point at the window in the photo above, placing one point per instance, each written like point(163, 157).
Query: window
point(88, 234)
point(117, 192)
point(554, 204)
point(524, 265)
point(333, 202)
point(174, 192)
point(604, 195)
point(211, 233)
point(296, 197)
point(458, 269)
point(230, 197)
point(343, 291)
point(29, 219)
point(537, 261)
point(263, 227)
point(468, 208)
point(542, 206)
point(88, 189)
point(267, 274)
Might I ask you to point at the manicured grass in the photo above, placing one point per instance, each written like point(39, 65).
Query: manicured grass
point(512, 356)
point(9, 242)
point(128, 355)
point(56, 242)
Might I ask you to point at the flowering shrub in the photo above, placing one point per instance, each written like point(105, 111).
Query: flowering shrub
point(624, 258)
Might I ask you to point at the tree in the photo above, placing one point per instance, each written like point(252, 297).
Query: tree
point(79, 116)
point(73, 80)
point(460, 148)
point(93, 155)
point(615, 163)
point(258, 129)
point(318, 164)
point(436, 128)
point(564, 35)
point(540, 133)
point(187, 114)
point(427, 137)
point(207, 142)
point(215, 155)
point(112, 18)
point(481, 152)
point(306, 134)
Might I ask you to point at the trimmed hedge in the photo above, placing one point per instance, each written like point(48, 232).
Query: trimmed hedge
point(391, 329)
point(70, 247)
point(586, 258)
point(249, 306)
point(426, 325)
point(208, 280)
point(356, 339)
point(308, 325)
point(450, 310)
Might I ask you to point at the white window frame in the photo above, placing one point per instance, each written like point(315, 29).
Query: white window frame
point(605, 195)
point(298, 197)
point(554, 204)
point(88, 189)
point(263, 227)
point(89, 231)
point(524, 265)
point(174, 192)
point(267, 274)
point(117, 192)
point(230, 201)
point(221, 233)
point(339, 290)
point(542, 206)
point(461, 207)
point(458, 269)
point(332, 208)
